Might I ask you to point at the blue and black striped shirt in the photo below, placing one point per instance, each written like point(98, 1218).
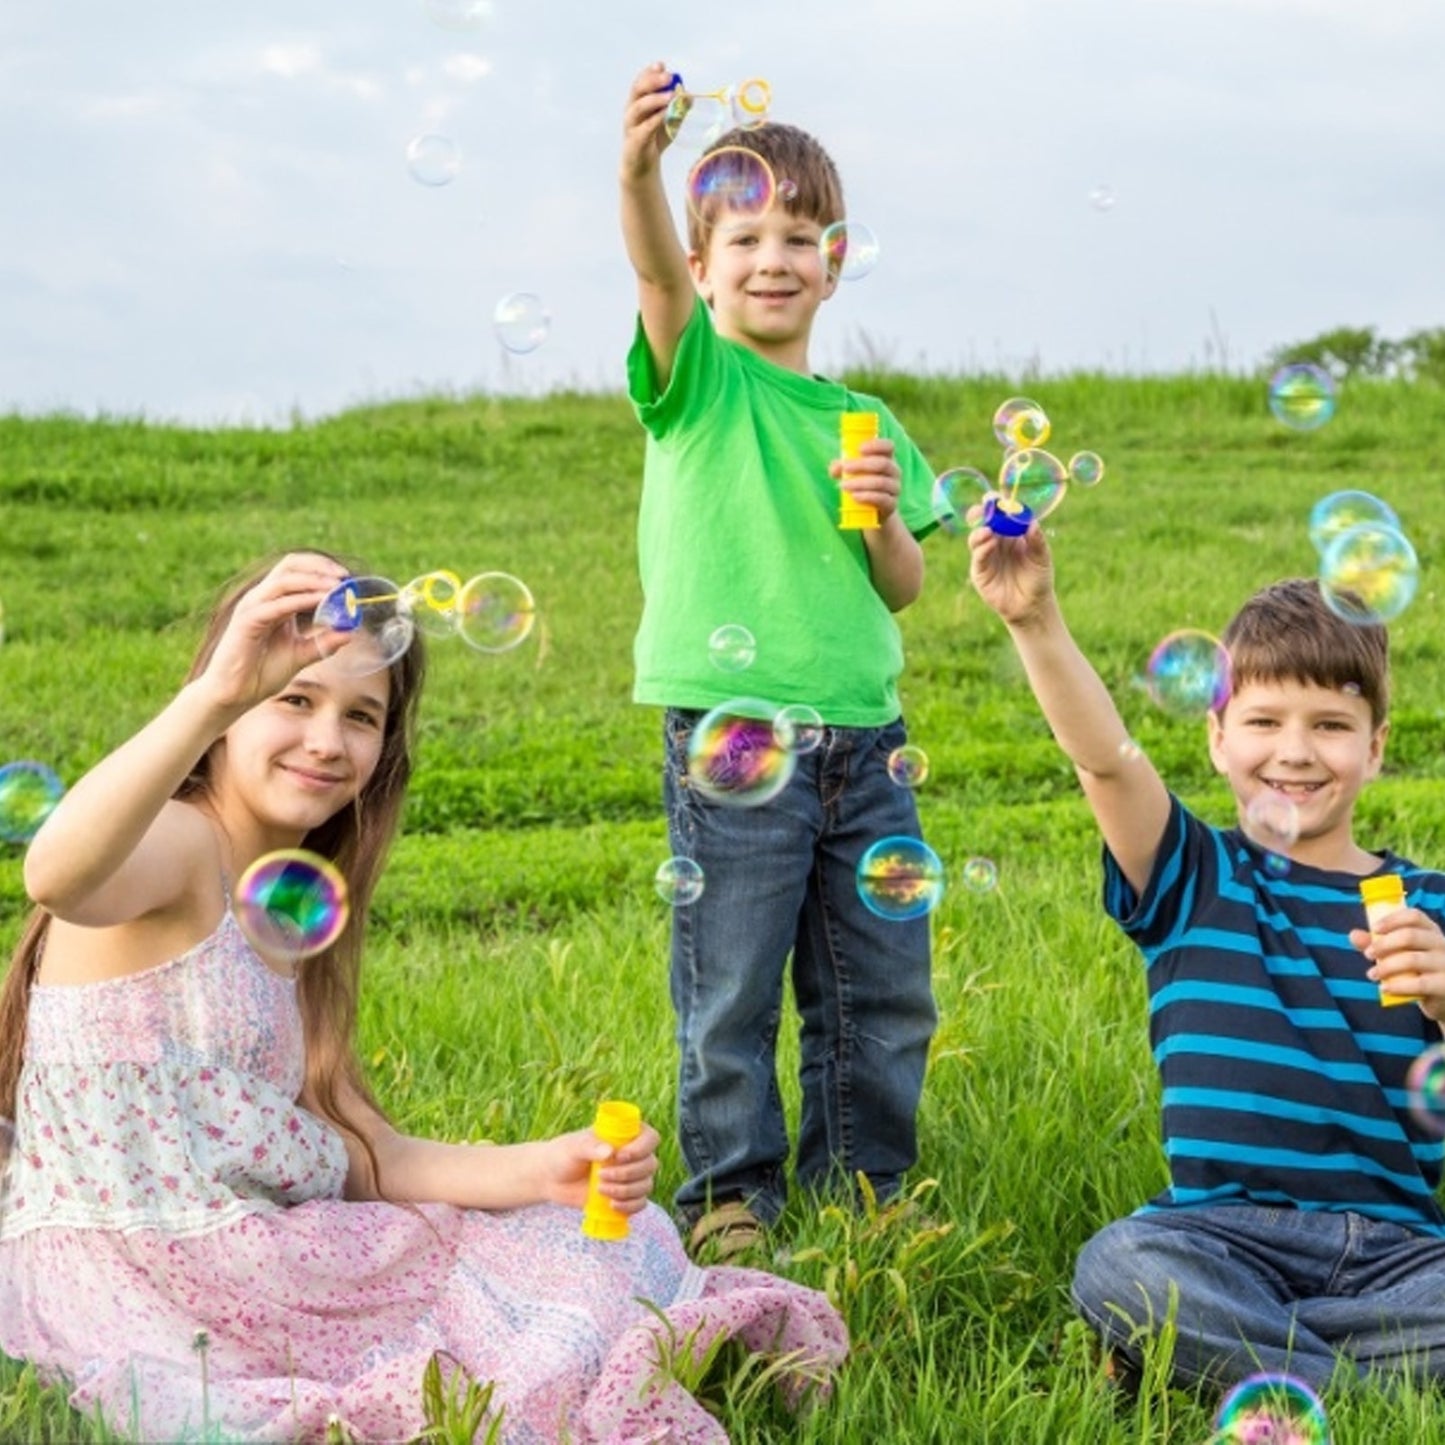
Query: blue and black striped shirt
point(1283, 1075)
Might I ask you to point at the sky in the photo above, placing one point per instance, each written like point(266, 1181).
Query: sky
point(208, 214)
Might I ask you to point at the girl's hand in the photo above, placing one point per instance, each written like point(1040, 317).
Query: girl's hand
point(1013, 575)
point(872, 477)
point(644, 137)
point(1407, 956)
point(268, 639)
point(626, 1178)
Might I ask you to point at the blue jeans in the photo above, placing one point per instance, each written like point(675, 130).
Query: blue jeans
point(1282, 1290)
point(781, 879)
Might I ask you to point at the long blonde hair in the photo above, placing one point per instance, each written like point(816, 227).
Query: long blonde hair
point(357, 839)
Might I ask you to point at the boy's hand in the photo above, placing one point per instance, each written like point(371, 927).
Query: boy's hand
point(644, 138)
point(1013, 575)
point(1407, 956)
point(872, 477)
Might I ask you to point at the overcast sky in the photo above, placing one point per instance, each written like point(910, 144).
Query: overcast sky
point(208, 213)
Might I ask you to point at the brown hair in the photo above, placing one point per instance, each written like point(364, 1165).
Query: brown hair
point(813, 190)
point(357, 839)
point(1289, 631)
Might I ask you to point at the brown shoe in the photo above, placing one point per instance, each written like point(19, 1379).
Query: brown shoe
point(724, 1233)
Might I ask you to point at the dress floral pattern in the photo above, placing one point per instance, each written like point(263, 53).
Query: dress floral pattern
point(166, 1192)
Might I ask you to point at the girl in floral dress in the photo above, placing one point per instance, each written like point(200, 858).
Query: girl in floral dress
point(211, 1229)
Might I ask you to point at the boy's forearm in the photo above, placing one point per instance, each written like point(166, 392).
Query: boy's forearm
point(895, 563)
point(650, 235)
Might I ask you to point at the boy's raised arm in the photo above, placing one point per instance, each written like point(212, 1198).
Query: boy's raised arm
point(665, 295)
point(1014, 576)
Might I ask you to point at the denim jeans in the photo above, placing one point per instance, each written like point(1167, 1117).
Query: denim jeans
point(781, 879)
point(1282, 1290)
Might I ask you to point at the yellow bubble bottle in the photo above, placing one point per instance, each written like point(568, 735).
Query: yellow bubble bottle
point(1382, 895)
point(856, 428)
point(617, 1123)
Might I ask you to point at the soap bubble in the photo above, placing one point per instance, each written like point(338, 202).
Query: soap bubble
point(1272, 820)
point(1271, 1409)
point(1036, 479)
point(495, 612)
point(732, 648)
point(731, 183)
point(29, 792)
point(1340, 511)
point(679, 881)
point(459, 14)
point(432, 159)
point(954, 492)
point(693, 122)
point(1019, 422)
point(291, 903)
point(1302, 396)
point(1369, 573)
point(1188, 674)
point(750, 102)
point(900, 878)
point(803, 724)
point(521, 321)
point(741, 753)
point(1086, 469)
point(362, 625)
point(431, 603)
point(1425, 1089)
point(850, 250)
point(980, 875)
point(1102, 198)
point(908, 766)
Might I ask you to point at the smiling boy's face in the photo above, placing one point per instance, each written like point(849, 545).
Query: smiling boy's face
point(1313, 746)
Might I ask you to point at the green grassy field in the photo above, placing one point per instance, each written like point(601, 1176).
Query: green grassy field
point(517, 967)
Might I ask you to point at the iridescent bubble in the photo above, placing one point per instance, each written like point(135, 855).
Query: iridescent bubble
point(29, 792)
point(1340, 511)
point(1034, 479)
point(693, 122)
point(1272, 820)
point(363, 625)
point(900, 878)
point(1086, 469)
point(1019, 422)
point(432, 159)
point(1188, 674)
point(731, 184)
point(431, 602)
point(787, 189)
point(1102, 198)
point(803, 723)
point(1271, 1409)
point(1302, 396)
point(521, 321)
point(1425, 1089)
point(459, 14)
point(850, 250)
point(732, 648)
point(1369, 573)
point(908, 766)
point(291, 903)
point(495, 612)
point(1276, 864)
point(750, 102)
point(980, 875)
point(954, 492)
point(679, 881)
point(741, 754)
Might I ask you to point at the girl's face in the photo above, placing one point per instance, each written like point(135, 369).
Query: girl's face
point(301, 756)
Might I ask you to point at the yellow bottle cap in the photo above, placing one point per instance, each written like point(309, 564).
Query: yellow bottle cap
point(1382, 888)
point(617, 1121)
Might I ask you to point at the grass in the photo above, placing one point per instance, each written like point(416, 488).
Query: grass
point(517, 968)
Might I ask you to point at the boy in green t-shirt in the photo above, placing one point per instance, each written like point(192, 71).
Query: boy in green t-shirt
point(739, 528)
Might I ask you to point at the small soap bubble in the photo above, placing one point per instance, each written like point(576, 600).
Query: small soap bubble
point(750, 102)
point(495, 612)
point(29, 792)
point(850, 250)
point(679, 881)
point(741, 753)
point(1340, 511)
point(730, 185)
point(1086, 469)
point(954, 492)
point(732, 648)
point(1272, 820)
point(787, 189)
point(900, 878)
point(1102, 198)
point(908, 766)
point(693, 122)
point(980, 875)
point(431, 602)
point(1271, 1409)
point(363, 625)
point(432, 159)
point(1188, 674)
point(521, 321)
point(291, 903)
point(459, 14)
point(1276, 864)
point(803, 723)
point(1035, 479)
point(1302, 396)
point(1130, 751)
point(1369, 573)
point(1019, 422)
point(1425, 1089)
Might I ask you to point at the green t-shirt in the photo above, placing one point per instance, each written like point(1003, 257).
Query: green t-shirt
point(739, 526)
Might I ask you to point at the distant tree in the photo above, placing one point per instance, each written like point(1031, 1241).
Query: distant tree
point(1344, 352)
point(1422, 354)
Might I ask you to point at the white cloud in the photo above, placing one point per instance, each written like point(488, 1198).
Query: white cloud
point(466, 68)
point(290, 59)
